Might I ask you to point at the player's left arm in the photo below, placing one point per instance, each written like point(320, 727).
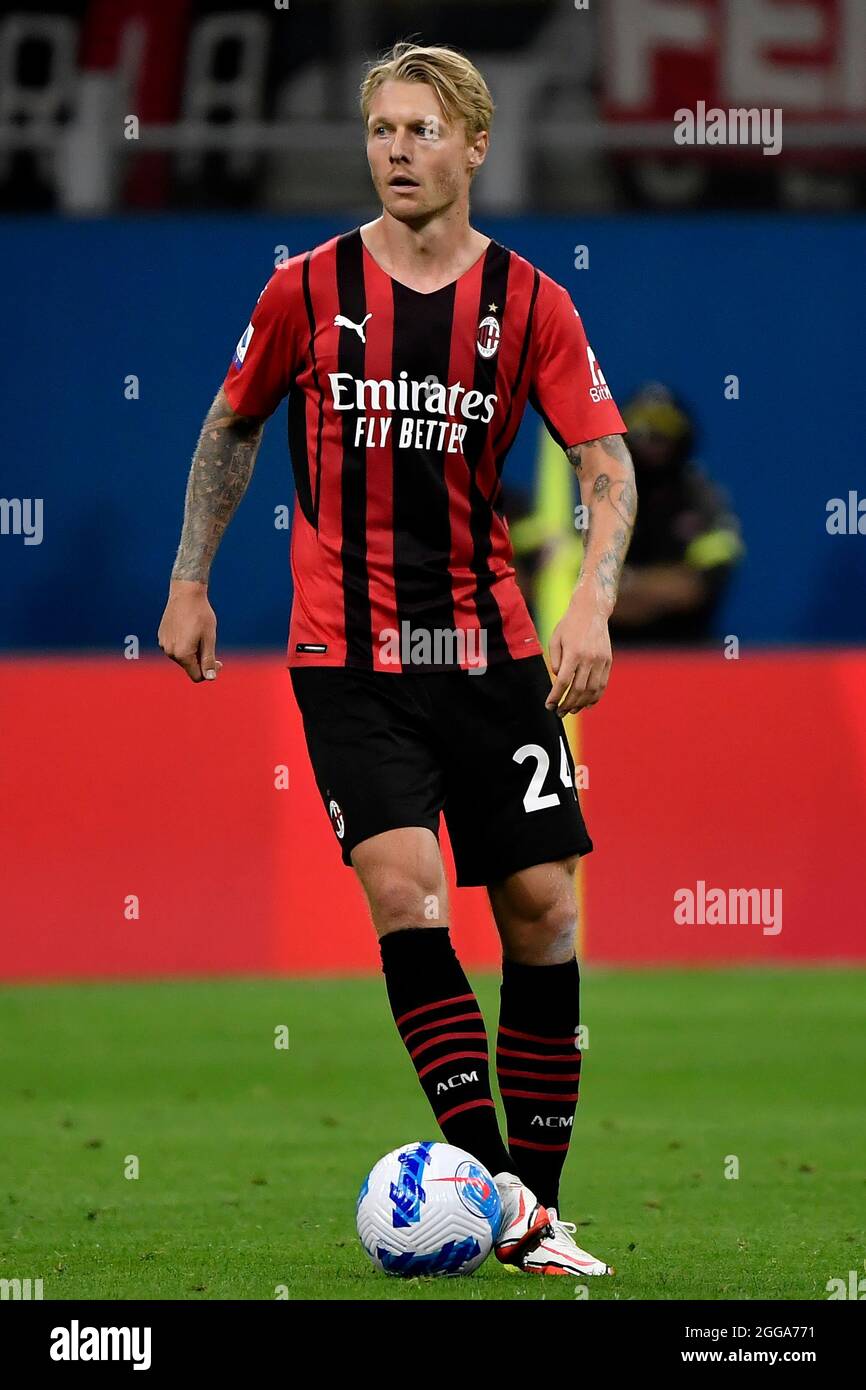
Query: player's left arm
point(580, 653)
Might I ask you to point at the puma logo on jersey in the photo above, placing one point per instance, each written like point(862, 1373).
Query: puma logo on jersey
point(342, 322)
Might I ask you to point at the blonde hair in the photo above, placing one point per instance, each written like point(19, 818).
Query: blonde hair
point(463, 94)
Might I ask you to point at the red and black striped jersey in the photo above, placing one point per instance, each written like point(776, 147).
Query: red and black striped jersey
point(402, 407)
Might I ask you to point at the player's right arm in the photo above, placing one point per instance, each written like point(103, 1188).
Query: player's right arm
point(222, 466)
point(218, 478)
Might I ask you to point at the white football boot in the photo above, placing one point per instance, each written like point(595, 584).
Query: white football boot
point(559, 1254)
point(525, 1221)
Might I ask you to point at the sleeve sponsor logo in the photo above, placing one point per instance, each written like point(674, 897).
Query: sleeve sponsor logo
point(599, 390)
point(243, 344)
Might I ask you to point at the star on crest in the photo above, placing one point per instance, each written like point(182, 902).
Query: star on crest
point(492, 308)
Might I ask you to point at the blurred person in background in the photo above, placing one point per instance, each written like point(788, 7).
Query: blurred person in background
point(686, 540)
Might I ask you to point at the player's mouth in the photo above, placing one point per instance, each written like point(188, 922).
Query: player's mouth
point(402, 182)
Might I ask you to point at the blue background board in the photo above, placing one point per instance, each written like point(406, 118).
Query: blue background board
point(777, 300)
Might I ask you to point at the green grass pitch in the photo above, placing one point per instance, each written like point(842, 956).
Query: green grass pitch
point(250, 1157)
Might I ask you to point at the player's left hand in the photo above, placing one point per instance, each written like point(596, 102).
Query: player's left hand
point(580, 658)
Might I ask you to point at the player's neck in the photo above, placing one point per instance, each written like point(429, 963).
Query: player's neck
point(424, 257)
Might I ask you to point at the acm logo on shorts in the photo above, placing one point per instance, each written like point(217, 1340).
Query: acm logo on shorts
point(337, 819)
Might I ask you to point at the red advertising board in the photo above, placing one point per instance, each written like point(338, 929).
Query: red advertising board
point(151, 827)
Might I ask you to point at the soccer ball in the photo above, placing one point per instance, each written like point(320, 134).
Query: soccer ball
point(428, 1208)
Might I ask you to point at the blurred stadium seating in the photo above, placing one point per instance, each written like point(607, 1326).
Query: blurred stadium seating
point(246, 105)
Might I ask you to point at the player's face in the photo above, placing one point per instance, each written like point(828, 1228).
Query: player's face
point(409, 138)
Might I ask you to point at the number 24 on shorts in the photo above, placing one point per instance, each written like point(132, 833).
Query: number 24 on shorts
point(535, 799)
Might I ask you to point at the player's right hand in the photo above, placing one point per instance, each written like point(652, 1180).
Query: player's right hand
point(187, 633)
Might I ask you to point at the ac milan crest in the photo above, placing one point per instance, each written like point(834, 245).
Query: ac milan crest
point(488, 336)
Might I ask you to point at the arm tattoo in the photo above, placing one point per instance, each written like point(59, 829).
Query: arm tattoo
point(610, 563)
point(612, 444)
point(221, 470)
point(610, 491)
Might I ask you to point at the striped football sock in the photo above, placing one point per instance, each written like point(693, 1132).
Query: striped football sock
point(438, 1018)
point(538, 1069)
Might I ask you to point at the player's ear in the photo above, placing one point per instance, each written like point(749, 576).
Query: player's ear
point(478, 149)
point(482, 145)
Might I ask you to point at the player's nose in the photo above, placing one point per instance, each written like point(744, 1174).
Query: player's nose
point(399, 148)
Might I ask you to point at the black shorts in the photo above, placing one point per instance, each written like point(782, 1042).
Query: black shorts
point(396, 749)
